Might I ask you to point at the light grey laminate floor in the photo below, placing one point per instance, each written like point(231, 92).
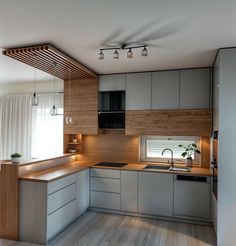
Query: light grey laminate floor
point(103, 229)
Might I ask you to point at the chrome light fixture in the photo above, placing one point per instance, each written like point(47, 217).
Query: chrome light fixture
point(100, 55)
point(69, 119)
point(144, 51)
point(116, 54)
point(123, 46)
point(34, 100)
point(53, 110)
point(130, 54)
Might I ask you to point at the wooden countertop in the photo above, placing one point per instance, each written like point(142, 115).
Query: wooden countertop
point(58, 172)
point(35, 161)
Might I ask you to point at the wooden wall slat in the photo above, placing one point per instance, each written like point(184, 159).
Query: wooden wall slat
point(47, 55)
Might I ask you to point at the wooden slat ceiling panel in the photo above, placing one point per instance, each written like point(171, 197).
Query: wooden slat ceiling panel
point(45, 56)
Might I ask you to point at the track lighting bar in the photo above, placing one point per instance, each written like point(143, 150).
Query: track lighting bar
point(123, 47)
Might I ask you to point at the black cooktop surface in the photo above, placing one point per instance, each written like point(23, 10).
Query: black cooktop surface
point(111, 164)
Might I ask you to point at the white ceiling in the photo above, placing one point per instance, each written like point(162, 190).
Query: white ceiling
point(181, 33)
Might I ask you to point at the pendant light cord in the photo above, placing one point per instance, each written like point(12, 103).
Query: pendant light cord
point(69, 88)
point(54, 85)
point(34, 75)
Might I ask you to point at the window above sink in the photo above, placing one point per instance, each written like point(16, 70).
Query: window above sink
point(151, 148)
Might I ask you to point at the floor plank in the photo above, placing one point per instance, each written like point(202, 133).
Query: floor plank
point(103, 229)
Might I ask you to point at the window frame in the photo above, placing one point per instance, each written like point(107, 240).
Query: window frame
point(143, 149)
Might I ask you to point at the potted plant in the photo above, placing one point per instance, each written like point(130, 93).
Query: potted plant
point(15, 158)
point(189, 151)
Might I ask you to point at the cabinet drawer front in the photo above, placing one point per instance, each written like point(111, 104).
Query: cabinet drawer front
point(105, 184)
point(105, 200)
point(106, 173)
point(61, 218)
point(61, 197)
point(61, 183)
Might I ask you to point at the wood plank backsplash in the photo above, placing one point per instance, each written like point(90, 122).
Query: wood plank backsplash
point(121, 148)
point(109, 147)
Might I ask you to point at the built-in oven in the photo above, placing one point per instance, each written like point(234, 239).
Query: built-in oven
point(214, 164)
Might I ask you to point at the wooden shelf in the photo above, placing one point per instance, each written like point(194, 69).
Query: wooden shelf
point(73, 143)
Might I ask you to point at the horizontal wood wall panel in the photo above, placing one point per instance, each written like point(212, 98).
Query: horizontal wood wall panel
point(109, 147)
point(205, 151)
point(169, 122)
point(84, 106)
point(45, 56)
point(9, 201)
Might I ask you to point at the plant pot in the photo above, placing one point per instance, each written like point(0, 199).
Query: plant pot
point(189, 162)
point(15, 160)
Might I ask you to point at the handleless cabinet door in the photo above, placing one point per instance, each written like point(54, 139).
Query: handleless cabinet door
point(192, 199)
point(82, 191)
point(113, 82)
point(195, 88)
point(138, 91)
point(165, 90)
point(155, 193)
point(216, 85)
point(129, 191)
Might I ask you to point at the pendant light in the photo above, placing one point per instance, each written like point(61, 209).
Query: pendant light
point(116, 54)
point(144, 51)
point(53, 110)
point(130, 54)
point(69, 119)
point(34, 100)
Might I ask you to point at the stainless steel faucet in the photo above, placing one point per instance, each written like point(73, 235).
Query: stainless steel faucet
point(172, 160)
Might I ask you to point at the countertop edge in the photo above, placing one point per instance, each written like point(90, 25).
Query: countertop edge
point(135, 167)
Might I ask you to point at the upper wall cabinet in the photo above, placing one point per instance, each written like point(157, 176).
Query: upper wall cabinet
point(84, 106)
point(165, 90)
point(195, 88)
point(114, 82)
point(138, 91)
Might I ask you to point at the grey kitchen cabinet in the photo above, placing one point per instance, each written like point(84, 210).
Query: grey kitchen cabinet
point(165, 90)
point(46, 208)
point(105, 188)
point(195, 88)
point(216, 87)
point(113, 82)
point(138, 91)
point(192, 197)
point(129, 191)
point(82, 191)
point(155, 193)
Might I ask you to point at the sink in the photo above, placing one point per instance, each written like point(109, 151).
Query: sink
point(180, 169)
point(157, 167)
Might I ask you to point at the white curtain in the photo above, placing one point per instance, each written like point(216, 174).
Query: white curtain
point(15, 126)
point(47, 130)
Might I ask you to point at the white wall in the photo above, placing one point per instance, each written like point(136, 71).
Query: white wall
point(226, 230)
point(27, 87)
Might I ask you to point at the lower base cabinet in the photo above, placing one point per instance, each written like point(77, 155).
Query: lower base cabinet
point(47, 208)
point(58, 220)
point(105, 188)
point(129, 191)
point(192, 196)
point(82, 191)
point(155, 193)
